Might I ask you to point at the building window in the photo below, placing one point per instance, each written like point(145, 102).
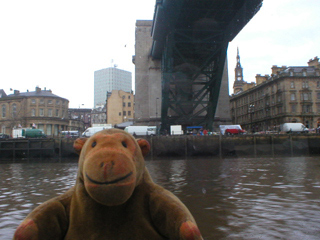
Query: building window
point(306, 108)
point(129, 113)
point(318, 84)
point(33, 112)
point(292, 96)
point(119, 113)
point(14, 110)
point(124, 113)
point(124, 104)
point(41, 101)
point(318, 95)
point(305, 84)
point(58, 102)
point(57, 112)
point(293, 108)
point(305, 96)
point(279, 98)
point(41, 112)
point(33, 101)
point(318, 108)
point(129, 104)
point(49, 102)
point(4, 111)
point(129, 97)
point(292, 84)
point(50, 112)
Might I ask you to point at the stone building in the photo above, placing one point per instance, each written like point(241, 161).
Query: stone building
point(289, 94)
point(99, 114)
point(79, 119)
point(40, 108)
point(120, 107)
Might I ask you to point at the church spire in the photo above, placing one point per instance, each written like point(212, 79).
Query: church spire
point(238, 58)
point(238, 81)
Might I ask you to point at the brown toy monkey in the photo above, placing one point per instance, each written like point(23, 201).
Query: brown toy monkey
point(114, 198)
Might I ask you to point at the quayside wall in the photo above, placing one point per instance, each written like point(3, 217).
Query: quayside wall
point(242, 146)
point(174, 147)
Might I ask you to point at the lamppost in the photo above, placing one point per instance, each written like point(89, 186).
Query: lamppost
point(251, 111)
point(267, 122)
point(79, 117)
point(157, 109)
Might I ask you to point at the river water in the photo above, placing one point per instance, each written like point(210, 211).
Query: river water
point(257, 198)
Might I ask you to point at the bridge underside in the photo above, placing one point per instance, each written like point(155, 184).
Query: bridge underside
point(191, 38)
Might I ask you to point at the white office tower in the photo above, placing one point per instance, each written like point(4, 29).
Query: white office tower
point(108, 79)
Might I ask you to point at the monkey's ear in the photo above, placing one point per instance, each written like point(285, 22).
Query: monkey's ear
point(78, 144)
point(144, 146)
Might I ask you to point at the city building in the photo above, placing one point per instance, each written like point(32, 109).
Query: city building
point(99, 114)
point(120, 107)
point(40, 108)
point(79, 119)
point(108, 79)
point(289, 94)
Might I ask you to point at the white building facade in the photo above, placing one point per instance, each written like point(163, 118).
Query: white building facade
point(108, 79)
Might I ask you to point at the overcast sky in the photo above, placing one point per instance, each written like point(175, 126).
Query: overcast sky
point(59, 44)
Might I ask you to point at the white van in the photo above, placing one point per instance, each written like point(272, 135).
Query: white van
point(92, 130)
point(141, 130)
point(176, 130)
point(294, 128)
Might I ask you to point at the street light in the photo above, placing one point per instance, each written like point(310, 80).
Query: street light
point(79, 117)
point(157, 109)
point(251, 111)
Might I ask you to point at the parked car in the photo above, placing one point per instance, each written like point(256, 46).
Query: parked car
point(4, 136)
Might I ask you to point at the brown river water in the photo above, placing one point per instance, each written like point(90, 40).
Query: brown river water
point(240, 198)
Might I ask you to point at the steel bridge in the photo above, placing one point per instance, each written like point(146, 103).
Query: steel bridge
point(190, 38)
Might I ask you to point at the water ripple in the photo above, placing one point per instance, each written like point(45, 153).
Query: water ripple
point(229, 198)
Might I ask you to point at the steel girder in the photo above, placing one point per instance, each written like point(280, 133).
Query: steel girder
point(192, 43)
point(190, 85)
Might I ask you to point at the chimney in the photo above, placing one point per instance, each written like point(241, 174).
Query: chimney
point(314, 62)
point(275, 69)
point(16, 92)
point(38, 90)
point(260, 79)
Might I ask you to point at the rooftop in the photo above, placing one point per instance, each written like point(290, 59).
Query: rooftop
point(37, 93)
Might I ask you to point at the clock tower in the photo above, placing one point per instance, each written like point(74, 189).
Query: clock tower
point(238, 81)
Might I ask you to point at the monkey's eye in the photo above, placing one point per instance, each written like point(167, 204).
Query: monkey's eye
point(93, 144)
point(124, 144)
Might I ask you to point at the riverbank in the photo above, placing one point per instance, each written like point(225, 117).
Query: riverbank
point(176, 147)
